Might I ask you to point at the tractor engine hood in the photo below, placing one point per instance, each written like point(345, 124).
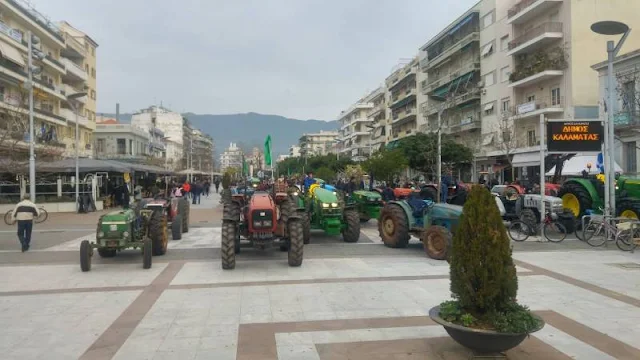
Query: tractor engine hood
point(325, 196)
point(367, 195)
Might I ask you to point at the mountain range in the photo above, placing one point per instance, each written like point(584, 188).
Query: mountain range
point(251, 129)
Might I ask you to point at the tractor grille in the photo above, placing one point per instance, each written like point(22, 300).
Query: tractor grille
point(262, 218)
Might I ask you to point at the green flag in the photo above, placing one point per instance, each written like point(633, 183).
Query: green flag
point(267, 151)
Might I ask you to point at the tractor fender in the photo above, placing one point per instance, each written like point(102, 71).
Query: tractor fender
point(500, 205)
point(587, 185)
point(407, 211)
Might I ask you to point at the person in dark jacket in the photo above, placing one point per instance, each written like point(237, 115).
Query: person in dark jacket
point(24, 212)
point(308, 181)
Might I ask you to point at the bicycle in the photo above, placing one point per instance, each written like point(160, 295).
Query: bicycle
point(552, 229)
point(598, 231)
point(42, 216)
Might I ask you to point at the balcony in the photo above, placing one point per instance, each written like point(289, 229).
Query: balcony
point(377, 110)
point(626, 119)
point(403, 98)
point(71, 118)
point(526, 10)
point(537, 67)
point(74, 71)
point(410, 71)
point(67, 90)
point(538, 37)
point(427, 63)
point(452, 76)
point(461, 125)
point(74, 49)
point(39, 21)
point(547, 105)
point(404, 116)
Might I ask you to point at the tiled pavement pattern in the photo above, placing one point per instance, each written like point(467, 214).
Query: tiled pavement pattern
point(345, 308)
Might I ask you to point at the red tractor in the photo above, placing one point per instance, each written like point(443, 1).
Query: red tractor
point(264, 218)
point(177, 211)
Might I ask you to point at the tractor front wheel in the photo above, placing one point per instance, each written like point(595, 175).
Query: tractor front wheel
point(228, 245)
point(184, 213)
point(352, 232)
point(393, 227)
point(629, 209)
point(176, 227)
point(296, 243)
point(575, 198)
point(85, 255)
point(147, 253)
point(306, 228)
point(437, 242)
point(158, 233)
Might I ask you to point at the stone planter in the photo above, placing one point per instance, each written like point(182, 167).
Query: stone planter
point(481, 341)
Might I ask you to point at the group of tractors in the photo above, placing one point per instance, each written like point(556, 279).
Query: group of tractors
point(144, 227)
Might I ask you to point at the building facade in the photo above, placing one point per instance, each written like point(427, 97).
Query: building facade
point(317, 143)
point(294, 151)
point(127, 142)
point(231, 158)
point(171, 124)
point(54, 125)
point(626, 107)
point(402, 93)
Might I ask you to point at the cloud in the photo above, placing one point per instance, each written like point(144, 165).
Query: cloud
point(296, 58)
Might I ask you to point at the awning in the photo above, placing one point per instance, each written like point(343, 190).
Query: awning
point(441, 91)
point(575, 165)
point(488, 107)
point(461, 24)
point(526, 159)
point(486, 50)
point(12, 54)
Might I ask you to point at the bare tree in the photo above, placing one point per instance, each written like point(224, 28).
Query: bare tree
point(14, 135)
point(505, 137)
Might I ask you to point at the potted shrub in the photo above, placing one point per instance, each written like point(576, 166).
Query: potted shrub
point(484, 315)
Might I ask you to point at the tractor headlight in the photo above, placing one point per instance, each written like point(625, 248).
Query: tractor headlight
point(267, 223)
point(125, 234)
point(295, 193)
point(335, 193)
point(100, 234)
point(325, 205)
point(257, 223)
point(334, 205)
point(617, 187)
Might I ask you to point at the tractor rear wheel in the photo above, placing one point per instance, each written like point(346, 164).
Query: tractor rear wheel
point(228, 245)
point(176, 228)
point(183, 212)
point(296, 242)
point(147, 253)
point(629, 209)
point(158, 233)
point(106, 253)
point(393, 227)
point(352, 232)
point(306, 228)
point(437, 241)
point(575, 198)
point(85, 255)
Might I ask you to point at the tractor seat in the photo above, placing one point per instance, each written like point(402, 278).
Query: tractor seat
point(418, 206)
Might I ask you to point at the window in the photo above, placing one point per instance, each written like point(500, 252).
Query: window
point(506, 105)
point(489, 79)
point(488, 108)
point(531, 138)
point(555, 96)
point(130, 147)
point(531, 98)
point(122, 146)
point(2, 90)
point(504, 73)
point(632, 159)
point(487, 50)
point(100, 146)
point(487, 20)
point(504, 43)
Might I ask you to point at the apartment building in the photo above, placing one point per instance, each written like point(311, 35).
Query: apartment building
point(79, 58)
point(379, 119)
point(317, 143)
point(626, 107)
point(231, 158)
point(198, 149)
point(402, 93)
point(116, 141)
point(294, 151)
point(452, 62)
point(170, 123)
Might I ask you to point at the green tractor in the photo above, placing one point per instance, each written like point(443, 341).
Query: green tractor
point(143, 229)
point(325, 211)
point(368, 203)
point(582, 194)
point(433, 223)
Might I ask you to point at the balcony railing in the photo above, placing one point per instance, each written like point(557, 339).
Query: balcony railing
point(539, 104)
point(529, 65)
point(75, 44)
point(535, 32)
point(48, 57)
point(75, 69)
point(449, 50)
point(444, 79)
point(46, 26)
point(464, 124)
point(517, 8)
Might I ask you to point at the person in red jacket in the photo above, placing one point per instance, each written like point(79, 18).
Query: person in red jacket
point(187, 189)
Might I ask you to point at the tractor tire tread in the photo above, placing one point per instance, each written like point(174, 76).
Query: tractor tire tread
point(156, 235)
point(402, 236)
point(228, 245)
point(427, 242)
point(352, 233)
point(296, 243)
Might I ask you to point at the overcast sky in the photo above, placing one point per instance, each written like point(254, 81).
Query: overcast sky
point(305, 59)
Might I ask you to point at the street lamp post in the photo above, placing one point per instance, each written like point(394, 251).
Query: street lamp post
point(71, 101)
point(611, 28)
point(32, 155)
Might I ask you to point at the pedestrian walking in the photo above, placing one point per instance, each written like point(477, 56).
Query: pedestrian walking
point(216, 182)
point(24, 213)
point(207, 187)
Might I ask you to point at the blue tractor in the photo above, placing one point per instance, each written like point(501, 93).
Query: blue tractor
point(432, 223)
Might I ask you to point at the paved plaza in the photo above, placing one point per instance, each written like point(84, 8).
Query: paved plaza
point(346, 301)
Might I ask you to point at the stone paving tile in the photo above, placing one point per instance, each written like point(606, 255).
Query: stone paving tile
point(42, 277)
point(57, 326)
point(592, 267)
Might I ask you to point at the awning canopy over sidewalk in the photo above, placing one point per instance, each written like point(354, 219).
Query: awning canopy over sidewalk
point(94, 165)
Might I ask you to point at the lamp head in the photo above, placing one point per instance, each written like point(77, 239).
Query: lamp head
point(609, 28)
